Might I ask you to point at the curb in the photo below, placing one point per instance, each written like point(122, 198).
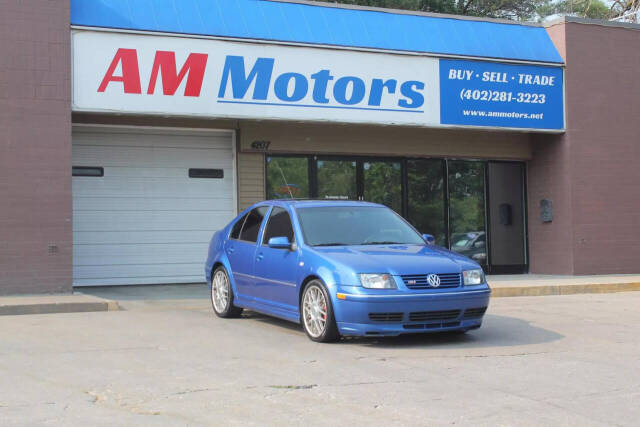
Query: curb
point(547, 290)
point(97, 304)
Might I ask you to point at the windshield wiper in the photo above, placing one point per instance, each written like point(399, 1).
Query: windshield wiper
point(332, 244)
point(383, 243)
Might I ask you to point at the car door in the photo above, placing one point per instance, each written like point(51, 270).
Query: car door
point(276, 269)
point(241, 249)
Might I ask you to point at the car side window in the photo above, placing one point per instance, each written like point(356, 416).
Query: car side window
point(252, 224)
point(279, 225)
point(235, 231)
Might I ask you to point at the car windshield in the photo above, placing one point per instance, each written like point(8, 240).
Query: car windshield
point(355, 225)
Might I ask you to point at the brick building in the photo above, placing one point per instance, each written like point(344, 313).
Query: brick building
point(128, 136)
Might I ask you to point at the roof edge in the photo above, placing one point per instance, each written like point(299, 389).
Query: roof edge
point(321, 46)
point(409, 12)
point(588, 21)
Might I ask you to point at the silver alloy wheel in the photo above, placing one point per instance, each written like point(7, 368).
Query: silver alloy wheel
point(314, 311)
point(220, 291)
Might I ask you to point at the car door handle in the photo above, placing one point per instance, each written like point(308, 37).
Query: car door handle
point(230, 250)
point(259, 257)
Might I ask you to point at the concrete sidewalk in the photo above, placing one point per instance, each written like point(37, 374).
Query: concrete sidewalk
point(522, 285)
point(196, 296)
point(45, 304)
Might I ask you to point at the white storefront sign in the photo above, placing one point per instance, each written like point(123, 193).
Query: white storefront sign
point(151, 74)
point(181, 76)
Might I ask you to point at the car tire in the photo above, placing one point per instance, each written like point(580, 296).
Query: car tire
point(222, 295)
point(316, 313)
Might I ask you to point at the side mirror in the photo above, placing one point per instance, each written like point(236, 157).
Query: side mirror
point(429, 239)
point(280, 243)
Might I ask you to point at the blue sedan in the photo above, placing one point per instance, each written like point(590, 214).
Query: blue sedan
point(342, 268)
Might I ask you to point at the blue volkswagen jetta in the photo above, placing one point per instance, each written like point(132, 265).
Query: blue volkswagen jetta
point(342, 268)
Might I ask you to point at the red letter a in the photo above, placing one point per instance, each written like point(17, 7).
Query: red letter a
point(165, 62)
point(130, 71)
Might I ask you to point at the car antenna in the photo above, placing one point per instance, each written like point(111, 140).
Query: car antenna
point(284, 179)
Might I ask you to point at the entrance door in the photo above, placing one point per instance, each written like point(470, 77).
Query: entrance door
point(506, 218)
point(467, 225)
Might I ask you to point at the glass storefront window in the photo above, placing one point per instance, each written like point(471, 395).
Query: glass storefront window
point(466, 209)
point(442, 197)
point(337, 180)
point(383, 183)
point(425, 188)
point(287, 177)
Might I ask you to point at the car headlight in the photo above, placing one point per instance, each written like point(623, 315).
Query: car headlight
point(473, 277)
point(377, 281)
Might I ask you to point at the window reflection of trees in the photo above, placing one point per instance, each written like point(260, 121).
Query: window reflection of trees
point(287, 177)
point(467, 203)
point(426, 197)
point(337, 179)
point(383, 184)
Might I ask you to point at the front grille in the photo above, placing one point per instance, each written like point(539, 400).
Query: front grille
point(419, 281)
point(434, 316)
point(386, 317)
point(471, 313)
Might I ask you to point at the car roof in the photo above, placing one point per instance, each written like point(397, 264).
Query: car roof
point(299, 203)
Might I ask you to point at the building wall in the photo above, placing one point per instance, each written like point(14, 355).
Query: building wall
point(385, 140)
point(251, 179)
point(550, 250)
point(605, 147)
point(35, 147)
point(591, 171)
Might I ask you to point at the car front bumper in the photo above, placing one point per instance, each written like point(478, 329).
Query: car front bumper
point(375, 314)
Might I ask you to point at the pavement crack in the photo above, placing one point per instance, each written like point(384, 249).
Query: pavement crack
point(197, 390)
point(531, 353)
point(294, 387)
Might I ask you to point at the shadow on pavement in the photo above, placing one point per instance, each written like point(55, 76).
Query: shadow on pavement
point(496, 331)
point(277, 323)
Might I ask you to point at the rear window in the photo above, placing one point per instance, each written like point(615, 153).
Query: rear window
point(252, 224)
point(235, 231)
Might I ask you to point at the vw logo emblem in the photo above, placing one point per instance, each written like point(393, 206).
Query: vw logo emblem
point(433, 280)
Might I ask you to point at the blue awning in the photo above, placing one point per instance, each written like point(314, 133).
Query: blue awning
point(319, 24)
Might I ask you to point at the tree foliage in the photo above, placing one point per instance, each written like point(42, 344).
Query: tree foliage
point(594, 9)
point(519, 10)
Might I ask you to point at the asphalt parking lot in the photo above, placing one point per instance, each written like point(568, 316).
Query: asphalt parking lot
point(166, 360)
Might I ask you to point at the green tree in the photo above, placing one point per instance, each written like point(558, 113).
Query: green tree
point(595, 9)
point(520, 10)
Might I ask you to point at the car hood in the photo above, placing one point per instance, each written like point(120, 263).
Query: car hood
point(396, 259)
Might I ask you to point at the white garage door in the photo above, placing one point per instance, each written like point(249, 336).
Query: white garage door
point(146, 221)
